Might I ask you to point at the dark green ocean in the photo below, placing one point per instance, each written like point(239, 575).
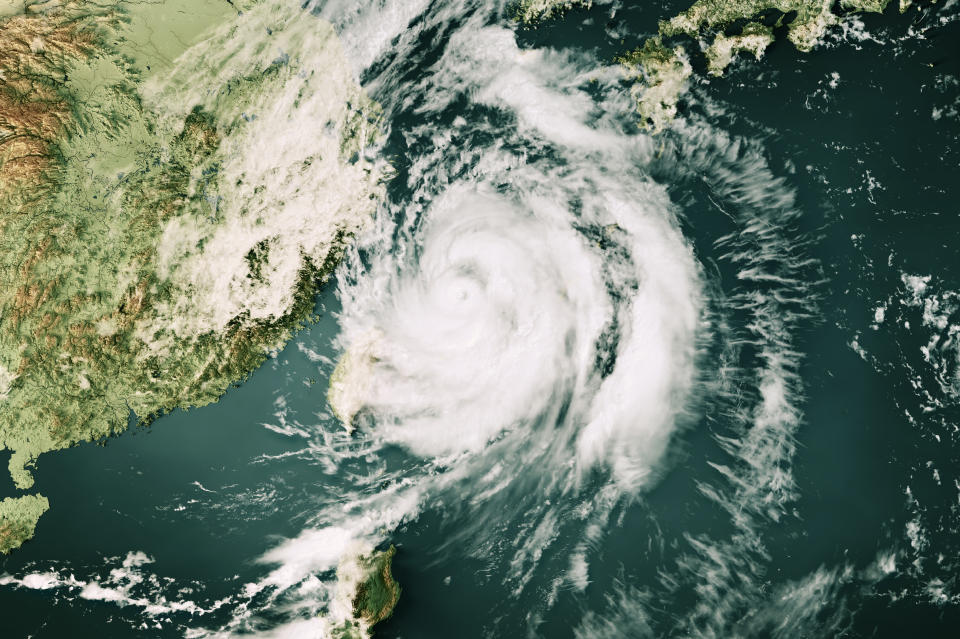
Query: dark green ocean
point(702, 384)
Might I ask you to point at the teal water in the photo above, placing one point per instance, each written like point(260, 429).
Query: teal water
point(809, 201)
point(198, 491)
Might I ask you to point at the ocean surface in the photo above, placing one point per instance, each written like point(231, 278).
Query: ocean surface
point(702, 384)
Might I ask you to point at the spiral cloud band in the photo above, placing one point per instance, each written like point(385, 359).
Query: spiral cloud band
point(537, 288)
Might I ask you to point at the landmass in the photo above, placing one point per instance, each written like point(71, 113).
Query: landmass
point(661, 74)
point(754, 38)
point(350, 380)
point(378, 593)
point(723, 28)
point(18, 519)
point(177, 179)
point(366, 580)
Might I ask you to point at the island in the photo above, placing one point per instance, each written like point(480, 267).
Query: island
point(366, 581)
point(723, 28)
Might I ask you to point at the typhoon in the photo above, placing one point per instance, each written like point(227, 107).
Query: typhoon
point(554, 319)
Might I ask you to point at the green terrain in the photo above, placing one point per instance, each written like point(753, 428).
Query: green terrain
point(723, 29)
point(373, 593)
point(159, 231)
point(18, 518)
